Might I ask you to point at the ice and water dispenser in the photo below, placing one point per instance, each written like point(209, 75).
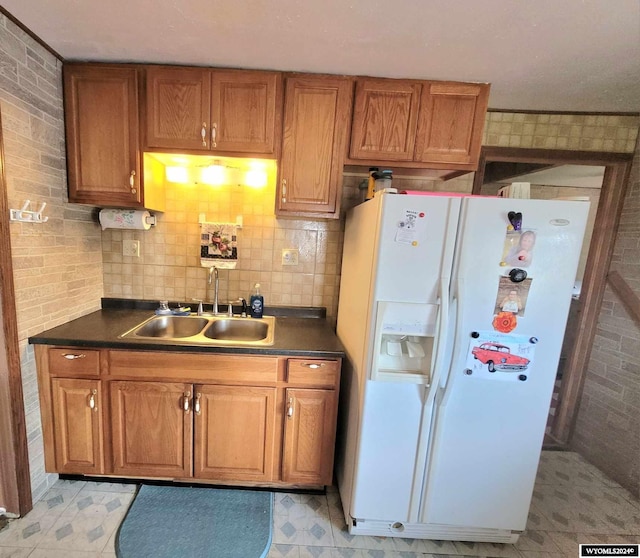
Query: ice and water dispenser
point(404, 340)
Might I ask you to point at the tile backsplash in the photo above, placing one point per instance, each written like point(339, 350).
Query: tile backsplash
point(169, 263)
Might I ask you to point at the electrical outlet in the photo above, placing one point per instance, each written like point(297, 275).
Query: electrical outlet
point(131, 248)
point(289, 256)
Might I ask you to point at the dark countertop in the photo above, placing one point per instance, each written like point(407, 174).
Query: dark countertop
point(294, 336)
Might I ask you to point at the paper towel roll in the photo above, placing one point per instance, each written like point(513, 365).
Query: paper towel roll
point(125, 219)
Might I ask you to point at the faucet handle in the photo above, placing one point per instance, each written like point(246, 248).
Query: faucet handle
point(244, 307)
point(200, 309)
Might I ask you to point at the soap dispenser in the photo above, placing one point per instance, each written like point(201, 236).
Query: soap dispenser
point(257, 302)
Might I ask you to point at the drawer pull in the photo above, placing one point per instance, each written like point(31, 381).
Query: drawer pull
point(313, 365)
point(92, 400)
point(290, 408)
point(73, 356)
point(185, 401)
point(196, 404)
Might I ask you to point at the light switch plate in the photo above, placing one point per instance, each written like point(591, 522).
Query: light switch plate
point(290, 256)
point(131, 248)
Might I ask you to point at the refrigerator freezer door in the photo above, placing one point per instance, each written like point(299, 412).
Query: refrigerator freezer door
point(398, 251)
point(489, 426)
point(384, 481)
point(414, 234)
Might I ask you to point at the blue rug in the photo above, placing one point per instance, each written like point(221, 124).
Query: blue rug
point(186, 522)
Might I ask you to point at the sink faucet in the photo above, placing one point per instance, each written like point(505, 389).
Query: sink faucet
point(214, 270)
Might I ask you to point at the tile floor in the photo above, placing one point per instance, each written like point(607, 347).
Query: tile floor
point(573, 502)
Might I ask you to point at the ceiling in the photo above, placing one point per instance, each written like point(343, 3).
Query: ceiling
point(543, 55)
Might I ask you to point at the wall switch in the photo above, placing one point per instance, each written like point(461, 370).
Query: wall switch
point(131, 248)
point(289, 256)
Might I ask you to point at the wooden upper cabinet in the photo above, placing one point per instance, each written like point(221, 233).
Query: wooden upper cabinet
point(418, 124)
point(101, 118)
point(385, 117)
point(245, 107)
point(178, 109)
point(451, 123)
point(226, 111)
point(315, 131)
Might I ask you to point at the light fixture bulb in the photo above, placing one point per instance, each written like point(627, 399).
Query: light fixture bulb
point(255, 178)
point(214, 175)
point(177, 174)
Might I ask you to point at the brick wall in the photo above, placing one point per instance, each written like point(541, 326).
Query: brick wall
point(58, 264)
point(608, 425)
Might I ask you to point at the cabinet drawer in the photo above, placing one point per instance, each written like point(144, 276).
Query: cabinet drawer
point(211, 368)
point(74, 362)
point(312, 372)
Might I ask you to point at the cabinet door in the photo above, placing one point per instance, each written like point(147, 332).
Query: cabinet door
point(245, 107)
point(178, 108)
point(77, 419)
point(313, 146)
point(309, 436)
point(234, 433)
point(101, 118)
point(451, 123)
point(385, 118)
point(151, 427)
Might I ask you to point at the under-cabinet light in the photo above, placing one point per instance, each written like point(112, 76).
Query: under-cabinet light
point(256, 175)
point(177, 174)
point(255, 178)
point(214, 175)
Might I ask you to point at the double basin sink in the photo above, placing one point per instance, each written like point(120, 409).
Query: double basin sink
point(206, 330)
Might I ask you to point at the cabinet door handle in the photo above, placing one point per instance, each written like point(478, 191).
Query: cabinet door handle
point(203, 133)
point(196, 404)
point(313, 365)
point(290, 408)
point(185, 401)
point(214, 135)
point(73, 356)
point(284, 190)
point(132, 181)
point(92, 400)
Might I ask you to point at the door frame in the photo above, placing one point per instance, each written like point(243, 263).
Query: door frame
point(612, 196)
point(15, 481)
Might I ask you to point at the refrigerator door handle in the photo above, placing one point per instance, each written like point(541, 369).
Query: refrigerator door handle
point(440, 371)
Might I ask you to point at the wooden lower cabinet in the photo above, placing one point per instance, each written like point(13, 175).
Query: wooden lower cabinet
point(309, 436)
point(77, 416)
point(234, 433)
point(254, 420)
point(151, 429)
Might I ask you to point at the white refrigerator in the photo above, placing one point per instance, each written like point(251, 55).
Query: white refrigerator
point(452, 312)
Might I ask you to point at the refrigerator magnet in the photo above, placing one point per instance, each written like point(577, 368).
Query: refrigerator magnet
point(410, 227)
point(505, 322)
